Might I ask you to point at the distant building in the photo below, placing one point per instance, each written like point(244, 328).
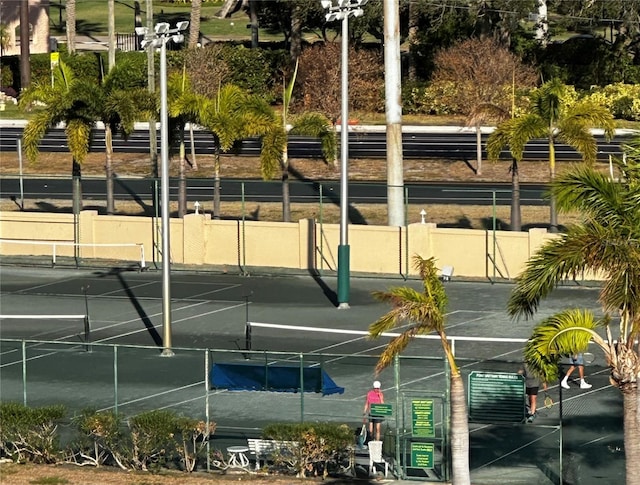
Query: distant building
point(38, 26)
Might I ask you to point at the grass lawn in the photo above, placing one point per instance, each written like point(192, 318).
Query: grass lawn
point(92, 17)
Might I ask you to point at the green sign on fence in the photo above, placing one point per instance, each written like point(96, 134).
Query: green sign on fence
point(422, 418)
point(422, 455)
point(496, 397)
point(381, 410)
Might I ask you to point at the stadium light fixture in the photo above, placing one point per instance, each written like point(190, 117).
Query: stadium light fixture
point(342, 10)
point(163, 33)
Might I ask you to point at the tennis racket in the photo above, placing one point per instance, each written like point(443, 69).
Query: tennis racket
point(588, 357)
point(548, 402)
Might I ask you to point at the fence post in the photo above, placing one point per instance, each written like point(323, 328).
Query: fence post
point(302, 388)
point(446, 449)
point(24, 372)
point(206, 403)
point(396, 377)
point(115, 379)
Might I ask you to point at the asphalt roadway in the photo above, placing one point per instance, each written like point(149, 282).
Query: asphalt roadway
point(293, 314)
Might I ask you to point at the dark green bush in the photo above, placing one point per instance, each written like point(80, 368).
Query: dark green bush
point(102, 439)
point(29, 434)
point(320, 445)
point(152, 438)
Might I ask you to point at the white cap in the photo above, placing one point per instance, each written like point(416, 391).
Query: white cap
point(376, 384)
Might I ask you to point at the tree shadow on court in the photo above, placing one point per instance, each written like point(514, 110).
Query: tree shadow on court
point(118, 273)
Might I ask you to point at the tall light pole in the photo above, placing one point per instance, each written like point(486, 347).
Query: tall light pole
point(342, 10)
point(162, 34)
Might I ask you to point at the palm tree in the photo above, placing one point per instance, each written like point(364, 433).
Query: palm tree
point(73, 101)
point(184, 107)
point(122, 102)
point(550, 117)
point(483, 113)
point(506, 135)
point(194, 23)
point(425, 311)
point(274, 141)
point(230, 116)
point(606, 243)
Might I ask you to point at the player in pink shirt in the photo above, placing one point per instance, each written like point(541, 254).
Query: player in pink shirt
point(374, 396)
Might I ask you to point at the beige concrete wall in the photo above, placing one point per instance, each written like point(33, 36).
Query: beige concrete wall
point(33, 226)
point(199, 241)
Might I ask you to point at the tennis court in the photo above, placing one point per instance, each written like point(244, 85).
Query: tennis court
point(292, 321)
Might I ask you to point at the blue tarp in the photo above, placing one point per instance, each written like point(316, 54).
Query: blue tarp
point(278, 378)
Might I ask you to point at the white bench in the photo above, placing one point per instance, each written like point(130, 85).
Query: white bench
point(267, 449)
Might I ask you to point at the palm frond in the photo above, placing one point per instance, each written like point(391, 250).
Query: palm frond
point(547, 101)
point(78, 136)
point(433, 286)
point(34, 132)
point(408, 306)
point(566, 333)
point(273, 143)
point(579, 137)
point(591, 115)
point(553, 262)
point(515, 134)
point(395, 347)
point(319, 126)
point(589, 191)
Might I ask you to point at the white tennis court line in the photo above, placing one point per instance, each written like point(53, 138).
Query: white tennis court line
point(384, 334)
point(142, 330)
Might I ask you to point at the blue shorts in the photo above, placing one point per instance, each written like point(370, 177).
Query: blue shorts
point(577, 359)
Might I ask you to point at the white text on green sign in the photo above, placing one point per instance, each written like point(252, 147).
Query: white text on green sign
point(381, 410)
point(422, 418)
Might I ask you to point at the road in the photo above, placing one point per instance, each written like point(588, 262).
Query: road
point(449, 143)
point(271, 191)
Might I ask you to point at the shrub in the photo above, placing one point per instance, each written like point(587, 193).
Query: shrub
point(160, 437)
point(320, 445)
point(193, 436)
point(102, 440)
point(152, 439)
point(318, 86)
point(29, 434)
point(622, 99)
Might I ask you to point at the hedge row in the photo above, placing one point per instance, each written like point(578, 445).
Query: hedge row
point(154, 440)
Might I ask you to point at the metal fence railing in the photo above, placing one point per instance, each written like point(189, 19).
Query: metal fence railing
point(129, 380)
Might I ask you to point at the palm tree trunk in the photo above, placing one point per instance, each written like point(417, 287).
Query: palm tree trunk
point(76, 175)
point(194, 23)
point(112, 34)
point(108, 167)
point(71, 26)
point(631, 406)
point(253, 22)
point(459, 433)
point(516, 219)
point(25, 46)
point(553, 213)
point(194, 160)
point(296, 33)
point(182, 180)
point(286, 200)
